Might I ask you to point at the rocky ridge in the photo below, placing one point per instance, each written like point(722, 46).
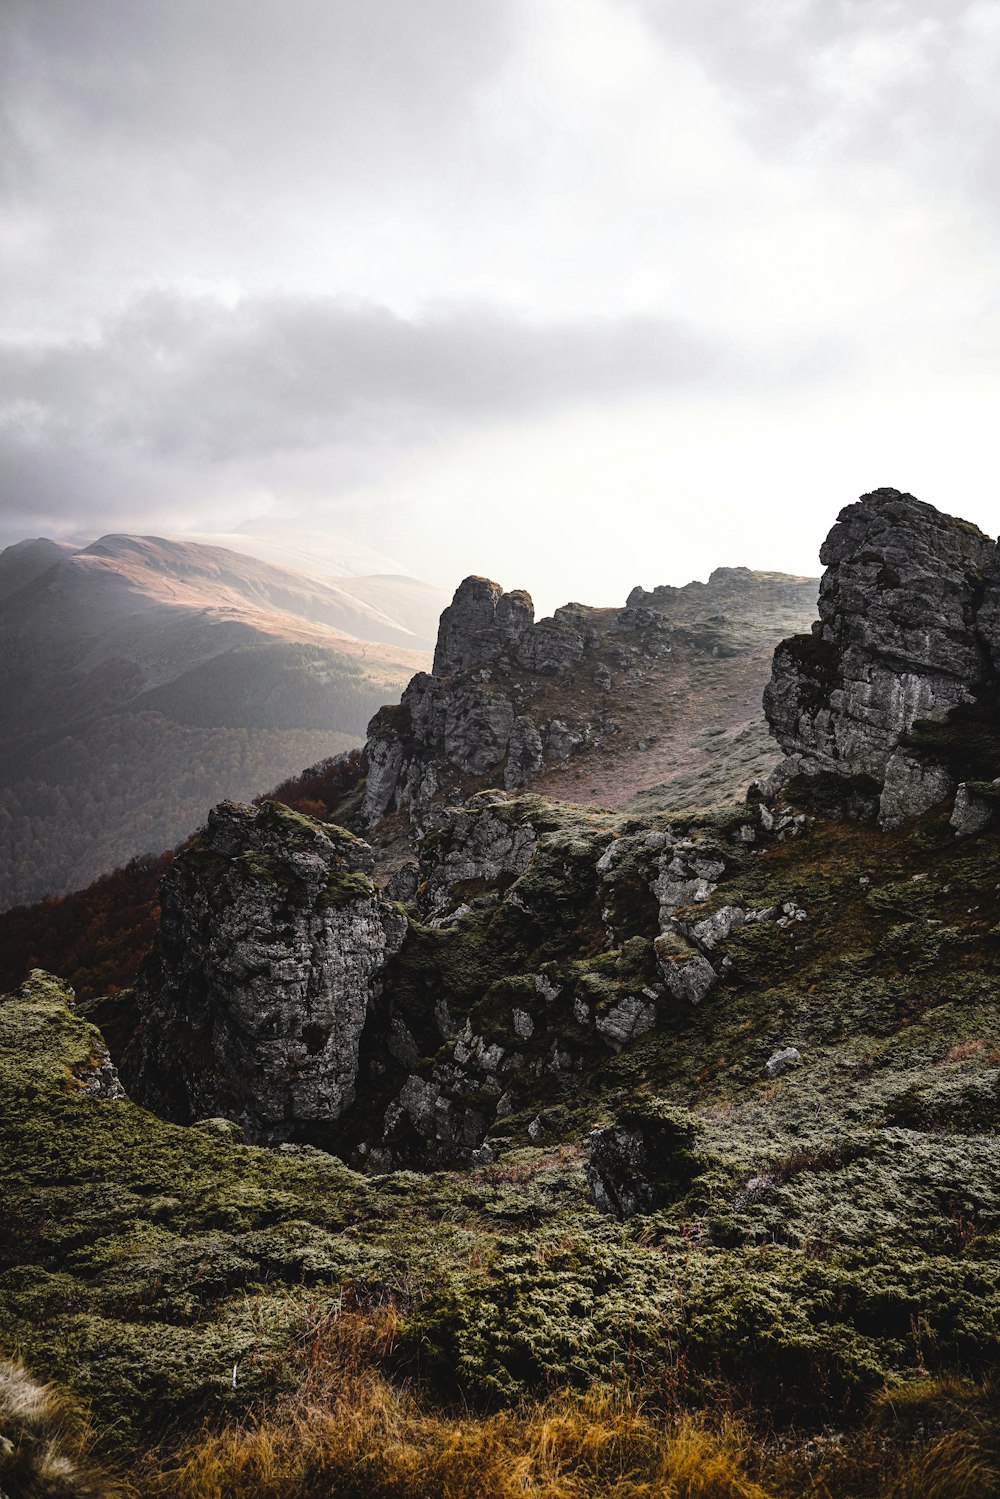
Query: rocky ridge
point(613, 697)
point(287, 994)
point(538, 939)
point(722, 1088)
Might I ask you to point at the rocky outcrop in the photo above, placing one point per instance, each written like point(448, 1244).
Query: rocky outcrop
point(511, 700)
point(519, 875)
point(480, 620)
point(894, 693)
point(646, 1159)
point(272, 946)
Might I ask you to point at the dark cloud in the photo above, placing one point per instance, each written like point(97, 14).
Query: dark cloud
point(181, 383)
point(348, 80)
point(245, 139)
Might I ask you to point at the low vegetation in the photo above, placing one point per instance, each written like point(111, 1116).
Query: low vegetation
point(812, 1308)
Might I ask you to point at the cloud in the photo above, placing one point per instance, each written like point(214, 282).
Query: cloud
point(178, 386)
point(258, 256)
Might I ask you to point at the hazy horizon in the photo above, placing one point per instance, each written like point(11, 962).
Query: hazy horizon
point(579, 295)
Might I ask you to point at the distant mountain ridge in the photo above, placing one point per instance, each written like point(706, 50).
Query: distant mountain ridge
point(141, 678)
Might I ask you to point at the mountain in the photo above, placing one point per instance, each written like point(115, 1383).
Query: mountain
point(600, 1149)
point(26, 560)
point(142, 678)
point(692, 661)
point(361, 576)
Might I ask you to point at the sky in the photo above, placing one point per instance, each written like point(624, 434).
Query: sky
point(576, 293)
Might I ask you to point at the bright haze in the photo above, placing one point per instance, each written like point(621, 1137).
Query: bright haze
point(576, 293)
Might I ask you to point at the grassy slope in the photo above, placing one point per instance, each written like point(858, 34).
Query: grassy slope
point(830, 1253)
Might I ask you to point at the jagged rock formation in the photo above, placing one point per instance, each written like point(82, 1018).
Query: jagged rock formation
point(477, 1037)
point(894, 694)
point(480, 620)
point(271, 950)
point(513, 702)
point(287, 994)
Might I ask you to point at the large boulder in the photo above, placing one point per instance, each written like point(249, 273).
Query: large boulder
point(268, 966)
point(905, 645)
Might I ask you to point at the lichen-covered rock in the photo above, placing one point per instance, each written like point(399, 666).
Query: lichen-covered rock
point(907, 638)
point(272, 946)
point(686, 873)
point(51, 1046)
point(689, 975)
point(782, 1061)
point(473, 844)
point(632, 1017)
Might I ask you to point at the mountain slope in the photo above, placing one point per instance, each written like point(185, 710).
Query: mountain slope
point(141, 679)
point(677, 1133)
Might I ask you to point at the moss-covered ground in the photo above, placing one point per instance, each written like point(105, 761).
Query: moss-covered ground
point(826, 1264)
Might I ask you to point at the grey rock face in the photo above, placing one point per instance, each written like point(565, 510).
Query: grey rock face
point(907, 633)
point(553, 644)
point(272, 946)
point(717, 927)
point(689, 977)
point(478, 623)
point(457, 718)
point(781, 1061)
point(473, 843)
point(976, 806)
point(477, 728)
point(618, 1172)
point(626, 1021)
point(524, 754)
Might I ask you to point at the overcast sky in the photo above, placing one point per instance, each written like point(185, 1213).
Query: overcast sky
point(578, 293)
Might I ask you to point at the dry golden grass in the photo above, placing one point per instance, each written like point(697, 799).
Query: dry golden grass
point(348, 1433)
point(370, 1440)
point(44, 1444)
